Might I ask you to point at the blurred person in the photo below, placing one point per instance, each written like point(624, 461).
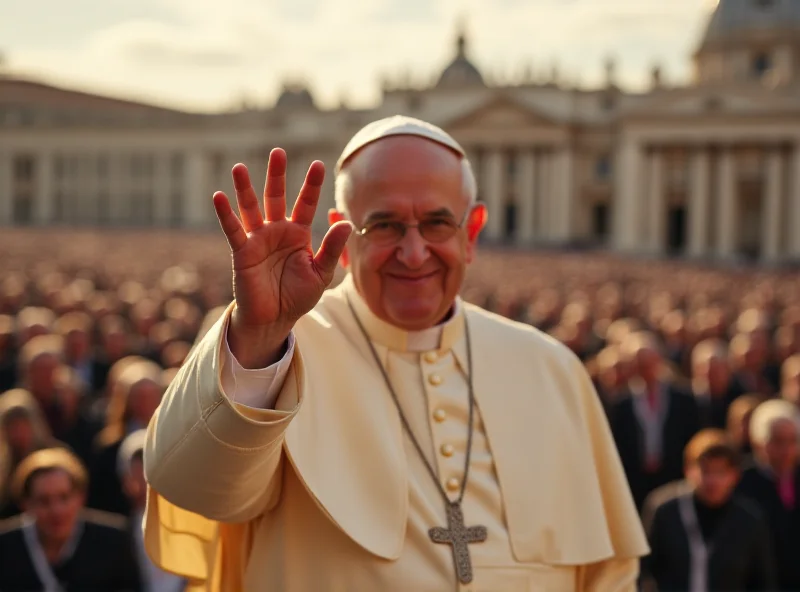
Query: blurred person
point(355, 507)
point(790, 379)
point(38, 361)
point(611, 379)
point(136, 396)
point(174, 354)
point(75, 329)
point(33, 321)
point(711, 382)
point(786, 343)
point(749, 364)
point(773, 482)
point(144, 315)
point(130, 468)
point(56, 544)
point(737, 423)
point(708, 539)
point(654, 422)
point(673, 331)
point(8, 367)
point(113, 346)
point(161, 335)
point(22, 432)
point(79, 427)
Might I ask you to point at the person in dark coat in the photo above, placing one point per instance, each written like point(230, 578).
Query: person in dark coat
point(773, 482)
point(708, 539)
point(652, 424)
point(137, 394)
point(56, 544)
point(712, 384)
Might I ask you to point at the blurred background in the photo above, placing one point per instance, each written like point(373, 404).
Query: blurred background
point(640, 160)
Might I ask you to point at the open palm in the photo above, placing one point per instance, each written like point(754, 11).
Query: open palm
point(277, 277)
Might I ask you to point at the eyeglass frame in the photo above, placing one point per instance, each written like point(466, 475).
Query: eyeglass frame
point(362, 232)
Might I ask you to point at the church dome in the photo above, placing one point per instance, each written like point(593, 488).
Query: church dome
point(460, 72)
point(295, 96)
point(734, 18)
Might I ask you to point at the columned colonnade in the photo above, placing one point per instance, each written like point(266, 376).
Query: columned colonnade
point(714, 213)
point(537, 179)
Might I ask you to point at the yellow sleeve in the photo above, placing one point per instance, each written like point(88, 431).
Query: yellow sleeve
point(210, 456)
point(614, 575)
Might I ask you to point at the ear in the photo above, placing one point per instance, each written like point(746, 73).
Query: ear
point(335, 216)
point(475, 223)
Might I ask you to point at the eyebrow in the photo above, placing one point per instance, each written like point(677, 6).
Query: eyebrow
point(383, 216)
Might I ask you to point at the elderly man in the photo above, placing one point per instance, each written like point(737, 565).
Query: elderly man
point(384, 435)
point(773, 482)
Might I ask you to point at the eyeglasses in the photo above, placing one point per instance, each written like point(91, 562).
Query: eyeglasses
point(435, 229)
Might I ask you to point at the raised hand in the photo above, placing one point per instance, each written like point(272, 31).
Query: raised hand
point(277, 277)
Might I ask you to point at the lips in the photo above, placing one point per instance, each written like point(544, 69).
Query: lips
point(412, 279)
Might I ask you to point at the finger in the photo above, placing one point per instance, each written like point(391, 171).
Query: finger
point(230, 224)
point(275, 186)
point(331, 249)
point(306, 205)
point(246, 198)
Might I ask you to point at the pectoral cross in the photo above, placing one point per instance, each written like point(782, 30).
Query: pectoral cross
point(459, 536)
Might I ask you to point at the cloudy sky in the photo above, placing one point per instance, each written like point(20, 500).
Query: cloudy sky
point(209, 54)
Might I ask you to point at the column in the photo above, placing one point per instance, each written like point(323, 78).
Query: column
point(544, 196)
point(563, 198)
point(162, 183)
point(794, 204)
point(771, 220)
point(698, 203)
point(197, 200)
point(6, 187)
point(45, 189)
point(656, 207)
point(118, 196)
point(726, 205)
point(494, 194)
point(526, 196)
point(627, 196)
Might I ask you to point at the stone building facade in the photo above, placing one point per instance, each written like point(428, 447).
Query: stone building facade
point(707, 170)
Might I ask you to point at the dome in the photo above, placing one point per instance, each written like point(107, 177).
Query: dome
point(295, 96)
point(732, 18)
point(460, 72)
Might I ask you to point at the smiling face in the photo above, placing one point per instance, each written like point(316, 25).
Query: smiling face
point(412, 282)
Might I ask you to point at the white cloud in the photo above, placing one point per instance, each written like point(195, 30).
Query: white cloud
point(211, 51)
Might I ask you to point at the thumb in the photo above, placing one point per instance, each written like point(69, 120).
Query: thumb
point(331, 249)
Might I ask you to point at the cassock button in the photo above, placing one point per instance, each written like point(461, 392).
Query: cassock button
point(453, 484)
point(435, 379)
point(431, 357)
point(440, 415)
point(447, 450)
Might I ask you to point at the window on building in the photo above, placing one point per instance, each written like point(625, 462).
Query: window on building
point(762, 63)
point(600, 221)
point(602, 168)
point(23, 169)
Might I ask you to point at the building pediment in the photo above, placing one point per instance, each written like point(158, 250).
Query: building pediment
point(500, 113)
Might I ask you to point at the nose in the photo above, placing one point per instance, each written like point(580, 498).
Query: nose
point(413, 249)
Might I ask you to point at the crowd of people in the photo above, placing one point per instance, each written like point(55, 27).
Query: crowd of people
point(698, 369)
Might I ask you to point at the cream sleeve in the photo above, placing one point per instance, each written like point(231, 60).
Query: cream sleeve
point(214, 455)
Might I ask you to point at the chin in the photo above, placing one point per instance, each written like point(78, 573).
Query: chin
point(414, 317)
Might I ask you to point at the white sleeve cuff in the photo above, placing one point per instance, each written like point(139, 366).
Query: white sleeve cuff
point(258, 388)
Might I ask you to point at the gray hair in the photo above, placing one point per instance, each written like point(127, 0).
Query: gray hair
point(343, 186)
point(131, 446)
point(767, 415)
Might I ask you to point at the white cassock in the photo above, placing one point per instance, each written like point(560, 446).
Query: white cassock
point(299, 477)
